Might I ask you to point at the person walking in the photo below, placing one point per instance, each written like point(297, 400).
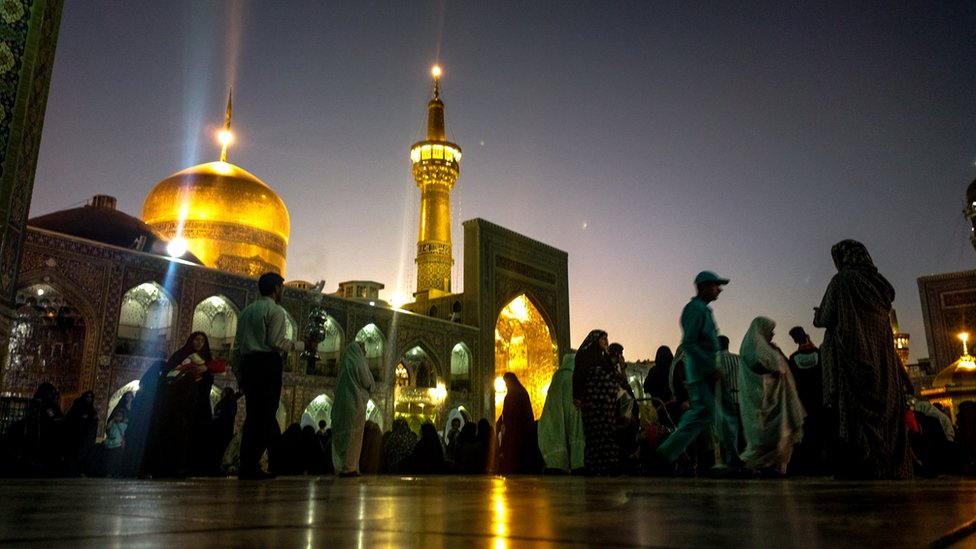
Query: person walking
point(700, 344)
point(259, 344)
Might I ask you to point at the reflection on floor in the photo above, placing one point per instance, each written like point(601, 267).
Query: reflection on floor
point(482, 511)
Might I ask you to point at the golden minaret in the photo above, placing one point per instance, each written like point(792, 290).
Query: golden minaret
point(436, 166)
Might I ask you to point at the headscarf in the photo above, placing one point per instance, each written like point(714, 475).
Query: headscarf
point(428, 453)
point(399, 446)
point(186, 350)
point(758, 352)
point(560, 427)
point(519, 441)
point(589, 354)
point(656, 382)
point(851, 253)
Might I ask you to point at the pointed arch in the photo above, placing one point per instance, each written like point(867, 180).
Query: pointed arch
point(329, 349)
point(145, 321)
point(320, 408)
point(49, 341)
point(217, 317)
point(375, 342)
point(525, 346)
point(460, 366)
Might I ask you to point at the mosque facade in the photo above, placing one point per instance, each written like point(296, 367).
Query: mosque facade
point(949, 313)
point(95, 312)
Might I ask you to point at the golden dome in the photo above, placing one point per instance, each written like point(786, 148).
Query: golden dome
point(230, 219)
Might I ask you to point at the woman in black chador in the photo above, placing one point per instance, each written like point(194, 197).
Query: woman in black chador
point(595, 389)
point(183, 411)
point(81, 428)
point(519, 449)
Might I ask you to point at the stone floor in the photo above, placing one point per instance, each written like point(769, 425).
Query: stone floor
point(469, 512)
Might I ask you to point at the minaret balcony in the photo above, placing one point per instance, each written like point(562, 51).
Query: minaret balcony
point(427, 152)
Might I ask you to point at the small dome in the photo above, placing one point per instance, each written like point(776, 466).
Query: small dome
point(101, 222)
point(230, 219)
point(961, 373)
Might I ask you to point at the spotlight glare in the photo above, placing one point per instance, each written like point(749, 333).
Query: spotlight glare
point(176, 247)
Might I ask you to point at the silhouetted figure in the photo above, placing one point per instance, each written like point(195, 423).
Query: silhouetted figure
point(656, 384)
point(519, 449)
point(81, 429)
point(184, 409)
point(810, 455)
point(398, 447)
point(34, 445)
point(258, 347)
point(428, 454)
point(598, 404)
point(864, 381)
point(369, 458)
point(451, 437)
point(285, 455)
point(489, 444)
point(700, 343)
point(115, 442)
point(222, 427)
point(470, 451)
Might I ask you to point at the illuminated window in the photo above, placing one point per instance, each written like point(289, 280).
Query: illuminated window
point(145, 320)
point(402, 376)
point(460, 363)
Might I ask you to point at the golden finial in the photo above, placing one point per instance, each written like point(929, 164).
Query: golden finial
point(436, 72)
point(226, 137)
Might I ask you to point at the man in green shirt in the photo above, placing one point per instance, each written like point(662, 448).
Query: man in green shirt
point(259, 345)
point(700, 342)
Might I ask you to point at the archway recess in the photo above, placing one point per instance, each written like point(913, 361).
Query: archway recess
point(524, 345)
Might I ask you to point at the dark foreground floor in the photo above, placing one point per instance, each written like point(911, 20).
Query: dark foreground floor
point(469, 512)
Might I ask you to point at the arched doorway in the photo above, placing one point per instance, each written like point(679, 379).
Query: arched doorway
point(216, 316)
point(459, 413)
point(145, 319)
point(419, 392)
point(460, 368)
point(319, 409)
point(47, 343)
point(372, 338)
point(113, 401)
point(329, 350)
point(524, 346)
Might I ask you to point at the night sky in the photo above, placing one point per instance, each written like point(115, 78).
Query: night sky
point(648, 140)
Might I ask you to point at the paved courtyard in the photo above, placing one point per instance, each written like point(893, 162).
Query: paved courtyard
point(484, 511)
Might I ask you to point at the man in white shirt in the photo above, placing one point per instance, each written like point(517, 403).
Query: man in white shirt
point(259, 345)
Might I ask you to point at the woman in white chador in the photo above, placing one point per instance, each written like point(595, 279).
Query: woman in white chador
point(772, 416)
point(349, 410)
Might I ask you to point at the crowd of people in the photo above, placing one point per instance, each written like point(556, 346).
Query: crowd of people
point(841, 409)
point(167, 428)
point(844, 408)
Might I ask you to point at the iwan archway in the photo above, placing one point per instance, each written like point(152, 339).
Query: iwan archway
point(524, 345)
